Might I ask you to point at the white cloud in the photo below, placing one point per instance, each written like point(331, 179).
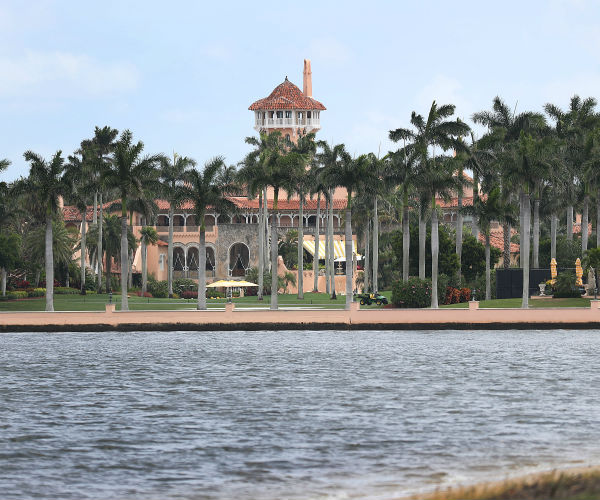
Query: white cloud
point(61, 74)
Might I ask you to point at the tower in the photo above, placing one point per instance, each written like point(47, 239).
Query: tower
point(289, 110)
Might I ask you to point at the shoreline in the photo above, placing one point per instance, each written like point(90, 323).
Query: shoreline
point(355, 318)
point(574, 480)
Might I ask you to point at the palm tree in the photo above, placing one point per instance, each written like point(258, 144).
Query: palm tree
point(4, 208)
point(131, 175)
point(403, 165)
point(300, 184)
point(205, 189)
point(101, 146)
point(351, 175)
point(493, 208)
point(46, 183)
point(504, 129)
point(78, 171)
point(573, 126)
point(319, 188)
point(252, 174)
point(438, 130)
point(148, 236)
point(330, 159)
point(172, 174)
point(524, 170)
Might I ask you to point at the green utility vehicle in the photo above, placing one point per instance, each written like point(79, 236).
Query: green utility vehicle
point(370, 298)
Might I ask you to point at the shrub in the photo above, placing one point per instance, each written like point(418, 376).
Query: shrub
point(145, 294)
point(565, 286)
point(213, 294)
point(158, 289)
point(413, 293)
point(189, 294)
point(465, 295)
point(36, 292)
point(180, 285)
point(63, 290)
point(17, 294)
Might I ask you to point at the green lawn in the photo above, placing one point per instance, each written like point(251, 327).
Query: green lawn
point(516, 303)
point(97, 303)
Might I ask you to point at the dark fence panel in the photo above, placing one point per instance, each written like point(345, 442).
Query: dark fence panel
point(509, 282)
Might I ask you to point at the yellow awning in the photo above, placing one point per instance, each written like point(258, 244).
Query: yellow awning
point(339, 248)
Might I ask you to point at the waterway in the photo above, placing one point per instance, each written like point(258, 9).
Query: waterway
point(298, 415)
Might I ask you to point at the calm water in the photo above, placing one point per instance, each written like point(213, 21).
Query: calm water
point(290, 414)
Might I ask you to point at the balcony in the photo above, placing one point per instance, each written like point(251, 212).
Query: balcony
point(267, 123)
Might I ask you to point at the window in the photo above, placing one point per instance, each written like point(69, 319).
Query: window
point(279, 114)
point(308, 114)
point(287, 137)
point(288, 114)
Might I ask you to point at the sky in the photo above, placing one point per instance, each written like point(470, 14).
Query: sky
point(181, 74)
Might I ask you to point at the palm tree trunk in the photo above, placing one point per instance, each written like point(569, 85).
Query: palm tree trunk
point(488, 280)
point(124, 261)
point(317, 245)
point(108, 272)
point(584, 224)
point(274, 253)
point(49, 265)
point(144, 265)
point(525, 235)
point(405, 239)
point(130, 270)
point(459, 227)
point(570, 223)
point(327, 268)
point(506, 230)
point(331, 246)
point(266, 252)
point(348, 251)
point(422, 241)
point(202, 270)
point(3, 270)
point(83, 247)
point(434, 256)
point(170, 252)
point(375, 246)
point(475, 223)
point(95, 214)
point(553, 224)
point(261, 247)
point(67, 277)
point(367, 259)
point(301, 250)
point(536, 233)
point(99, 251)
point(598, 220)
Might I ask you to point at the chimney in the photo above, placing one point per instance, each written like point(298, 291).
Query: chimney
point(307, 87)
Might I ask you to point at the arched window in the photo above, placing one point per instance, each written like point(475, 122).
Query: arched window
point(239, 259)
point(192, 259)
point(210, 262)
point(178, 259)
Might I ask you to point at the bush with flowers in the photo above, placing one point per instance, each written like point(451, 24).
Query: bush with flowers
point(415, 293)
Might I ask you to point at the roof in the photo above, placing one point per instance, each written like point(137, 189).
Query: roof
point(497, 240)
point(287, 96)
point(71, 213)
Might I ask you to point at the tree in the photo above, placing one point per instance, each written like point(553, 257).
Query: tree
point(436, 178)
point(148, 236)
point(10, 253)
point(350, 174)
point(487, 210)
point(102, 145)
point(7, 209)
point(504, 129)
point(592, 260)
point(403, 167)
point(172, 175)
point(46, 184)
point(252, 175)
point(132, 176)
point(300, 184)
point(205, 189)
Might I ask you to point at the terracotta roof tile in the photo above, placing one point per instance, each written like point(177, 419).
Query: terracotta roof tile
point(287, 96)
